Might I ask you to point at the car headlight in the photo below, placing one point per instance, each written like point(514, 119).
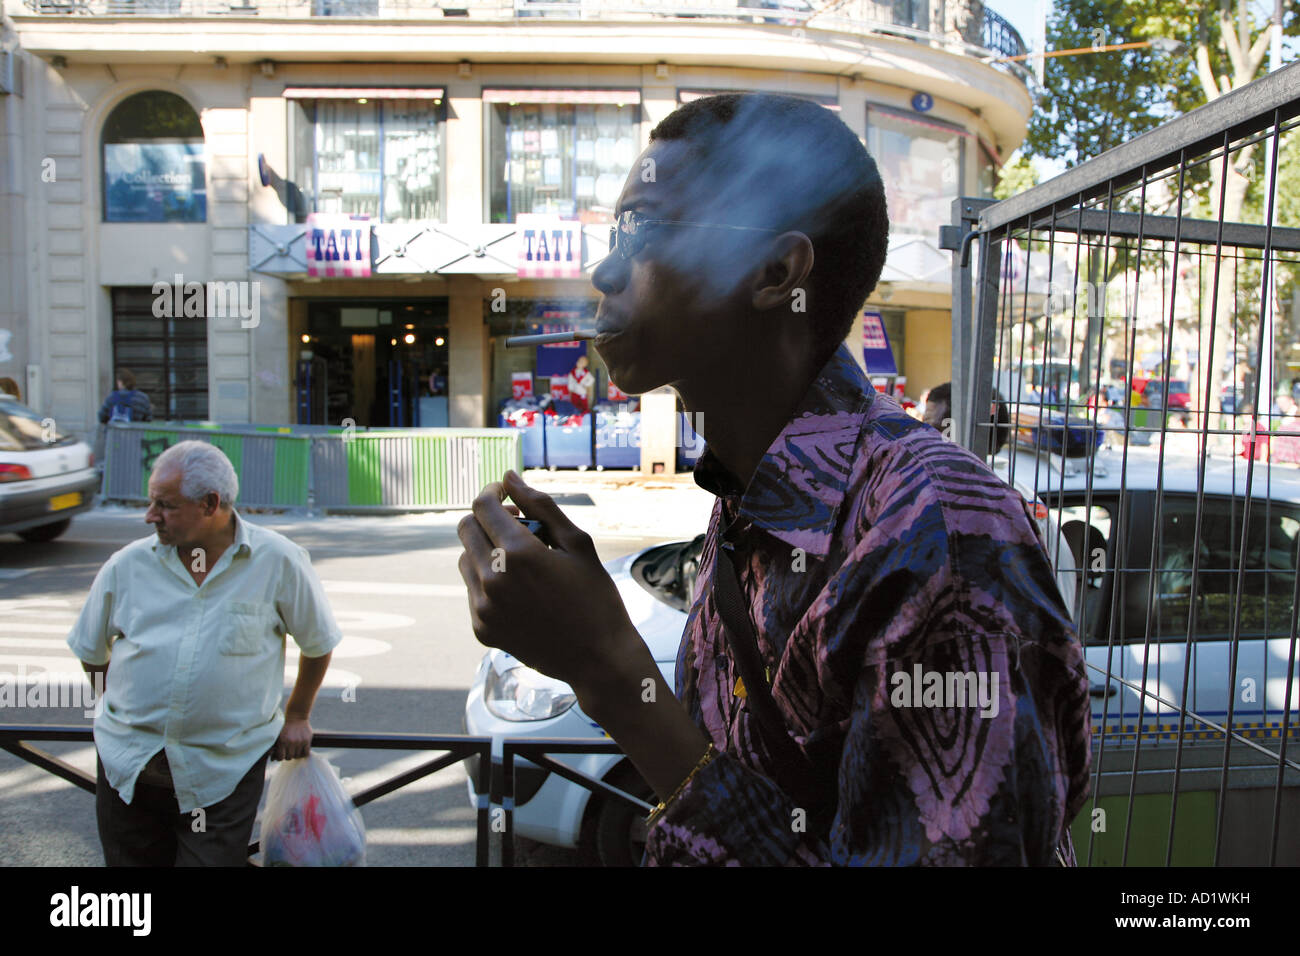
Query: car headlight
point(522, 693)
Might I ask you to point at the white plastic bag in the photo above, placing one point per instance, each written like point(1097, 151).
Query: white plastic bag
point(309, 818)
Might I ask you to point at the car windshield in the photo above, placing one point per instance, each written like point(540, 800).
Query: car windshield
point(21, 429)
point(668, 572)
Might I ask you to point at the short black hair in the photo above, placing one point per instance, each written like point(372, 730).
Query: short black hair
point(941, 393)
point(799, 167)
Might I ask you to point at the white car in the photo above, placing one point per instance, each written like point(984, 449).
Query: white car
point(1115, 594)
point(508, 699)
point(1133, 538)
point(46, 477)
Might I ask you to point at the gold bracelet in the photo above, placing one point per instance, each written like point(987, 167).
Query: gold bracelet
point(657, 812)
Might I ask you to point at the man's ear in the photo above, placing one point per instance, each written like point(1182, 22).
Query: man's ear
point(783, 279)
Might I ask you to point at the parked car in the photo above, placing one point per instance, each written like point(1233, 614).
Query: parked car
point(46, 477)
point(1134, 541)
point(508, 699)
point(1153, 392)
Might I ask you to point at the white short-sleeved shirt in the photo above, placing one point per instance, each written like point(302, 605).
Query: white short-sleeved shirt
point(198, 670)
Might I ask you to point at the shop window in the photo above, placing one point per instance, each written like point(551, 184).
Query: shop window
point(567, 160)
point(533, 316)
point(153, 161)
point(168, 355)
point(380, 158)
point(921, 163)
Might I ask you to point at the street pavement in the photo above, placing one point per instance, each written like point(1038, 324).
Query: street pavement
point(405, 665)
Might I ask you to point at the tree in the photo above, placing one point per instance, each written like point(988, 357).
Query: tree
point(1017, 175)
point(1228, 43)
point(1096, 101)
point(1099, 100)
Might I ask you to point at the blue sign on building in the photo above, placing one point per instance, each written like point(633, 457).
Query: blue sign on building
point(154, 182)
point(876, 353)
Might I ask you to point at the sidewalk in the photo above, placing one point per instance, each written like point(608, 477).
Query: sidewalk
point(628, 503)
point(608, 503)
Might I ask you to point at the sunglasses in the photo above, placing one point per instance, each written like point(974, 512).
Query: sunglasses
point(632, 230)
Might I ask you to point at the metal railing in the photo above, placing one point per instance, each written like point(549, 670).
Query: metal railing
point(1119, 331)
point(17, 739)
point(538, 751)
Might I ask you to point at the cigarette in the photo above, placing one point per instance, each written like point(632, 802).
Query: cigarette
point(549, 338)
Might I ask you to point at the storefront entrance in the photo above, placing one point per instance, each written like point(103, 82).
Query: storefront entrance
point(378, 362)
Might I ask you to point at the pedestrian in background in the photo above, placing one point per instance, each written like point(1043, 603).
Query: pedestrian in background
point(9, 387)
point(125, 403)
point(1286, 440)
point(192, 626)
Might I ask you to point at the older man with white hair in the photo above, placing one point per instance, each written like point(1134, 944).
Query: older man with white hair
point(194, 621)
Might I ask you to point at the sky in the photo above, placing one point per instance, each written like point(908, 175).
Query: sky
point(1022, 14)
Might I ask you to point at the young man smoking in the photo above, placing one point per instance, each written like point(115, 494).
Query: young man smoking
point(866, 546)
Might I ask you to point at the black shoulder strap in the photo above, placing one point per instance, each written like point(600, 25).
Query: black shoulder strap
point(796, 773)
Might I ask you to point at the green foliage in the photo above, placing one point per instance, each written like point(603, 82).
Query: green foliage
point(1015, 177)
point(1095, 101)
point(152, 114)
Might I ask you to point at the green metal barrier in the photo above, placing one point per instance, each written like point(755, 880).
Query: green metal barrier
point(410, 469)
point(331, 468)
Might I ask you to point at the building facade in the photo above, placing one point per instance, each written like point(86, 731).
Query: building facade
point(339, 209)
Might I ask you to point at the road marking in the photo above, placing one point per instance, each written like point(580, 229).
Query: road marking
point(10, 574)
point(395, 588)
point(46, 642)
point(371, 620)
point(15, 604)
point(423, 836)
point(59, 665)
point(348, 647)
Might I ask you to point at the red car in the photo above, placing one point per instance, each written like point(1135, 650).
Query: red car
point(1152, 389)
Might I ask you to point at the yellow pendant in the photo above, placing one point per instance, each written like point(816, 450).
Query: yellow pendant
point(739, 689)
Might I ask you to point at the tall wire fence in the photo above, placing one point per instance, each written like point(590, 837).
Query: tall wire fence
point(1126, 345)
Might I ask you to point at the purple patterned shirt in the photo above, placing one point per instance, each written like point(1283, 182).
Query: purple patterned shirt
point(913, 630)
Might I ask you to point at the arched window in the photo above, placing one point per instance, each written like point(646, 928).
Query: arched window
point(153, 161)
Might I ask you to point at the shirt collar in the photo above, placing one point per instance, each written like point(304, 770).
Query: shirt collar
point(242, 540)
point(802, 478)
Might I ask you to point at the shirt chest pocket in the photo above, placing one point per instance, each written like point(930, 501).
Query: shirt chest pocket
point(250, 628)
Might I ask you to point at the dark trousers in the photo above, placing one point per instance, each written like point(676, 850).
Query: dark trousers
point(151, 830)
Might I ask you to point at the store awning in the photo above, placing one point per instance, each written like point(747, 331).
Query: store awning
point(363, 92)
point(617, 97)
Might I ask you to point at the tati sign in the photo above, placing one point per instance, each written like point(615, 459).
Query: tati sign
point(549, 247)
point(338, 245)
